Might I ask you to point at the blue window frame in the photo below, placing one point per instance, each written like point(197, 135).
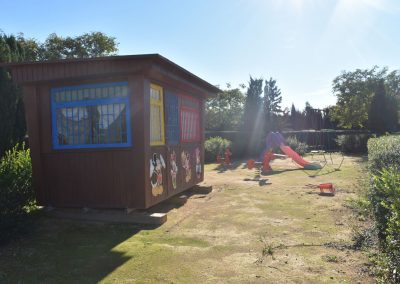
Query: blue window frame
point(172, 109)
point(91, 116)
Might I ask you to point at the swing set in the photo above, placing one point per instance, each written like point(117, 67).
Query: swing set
point(322, 144)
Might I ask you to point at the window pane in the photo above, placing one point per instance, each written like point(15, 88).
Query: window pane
point(190, 103)
point(190, 125)
point(104, 91)
point(172, 123)
point(90, 123)
point(71, 125)
point(156, 115)
point(155, 124)
point(154, 94)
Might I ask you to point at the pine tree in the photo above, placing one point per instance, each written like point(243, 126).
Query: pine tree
point(252, 107)
point(12, 118)
point(272, 104)
point(379, 114)
point(293, 117)
point(252, 118)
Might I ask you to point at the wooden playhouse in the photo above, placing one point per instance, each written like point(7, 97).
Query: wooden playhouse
point(113, 132)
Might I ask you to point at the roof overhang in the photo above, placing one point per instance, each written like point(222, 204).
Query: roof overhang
point(36, 72)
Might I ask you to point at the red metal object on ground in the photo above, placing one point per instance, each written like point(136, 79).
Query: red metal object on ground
point(228, 155)
point(250, 164)
point(327, 186)
point(267, 158)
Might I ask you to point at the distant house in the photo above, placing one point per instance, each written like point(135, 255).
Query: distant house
point(113, 132)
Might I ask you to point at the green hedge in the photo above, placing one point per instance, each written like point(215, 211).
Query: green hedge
point(353, 143)
point(386, 204)
point(384, 195)
point(16, 194)
point(383, 152)
point(215, 146)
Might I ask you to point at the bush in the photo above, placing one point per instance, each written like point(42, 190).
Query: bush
point(16, 193)
point(386, 203)
point(215, 146)
point(353, 143)
point(296, 145)
point(383, 152)
point(384, 195)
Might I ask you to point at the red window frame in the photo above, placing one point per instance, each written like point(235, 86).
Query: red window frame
point(196, 112)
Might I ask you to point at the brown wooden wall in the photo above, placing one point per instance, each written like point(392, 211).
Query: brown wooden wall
point(111, 178)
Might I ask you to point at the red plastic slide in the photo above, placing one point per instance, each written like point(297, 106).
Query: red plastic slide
point(292, 154)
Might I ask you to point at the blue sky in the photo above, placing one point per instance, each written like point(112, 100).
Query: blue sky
point(303, 44)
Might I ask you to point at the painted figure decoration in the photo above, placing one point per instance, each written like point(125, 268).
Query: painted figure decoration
point(157, 164)
point(174, 168)
point(198, 162)
point(185, 157)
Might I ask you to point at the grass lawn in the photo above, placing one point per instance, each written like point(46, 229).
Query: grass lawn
point(240, 232)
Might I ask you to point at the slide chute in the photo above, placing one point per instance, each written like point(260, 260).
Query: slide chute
point(275, 139)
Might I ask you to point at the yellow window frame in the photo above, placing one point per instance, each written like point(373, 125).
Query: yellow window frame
point(160, 104)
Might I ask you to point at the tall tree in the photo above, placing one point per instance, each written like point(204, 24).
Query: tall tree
point(253, 105)
point(297, 118)
point(12, 119)
point(293, 117)
point(381, 115)
point(225, 111)
point(92, 44)
point(253, 117)
point(355, 91)
point(272, 104)
point(328, 123)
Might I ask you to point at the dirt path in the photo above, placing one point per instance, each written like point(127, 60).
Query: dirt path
point(241, 232)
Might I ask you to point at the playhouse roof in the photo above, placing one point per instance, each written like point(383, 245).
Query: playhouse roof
point(53, 70)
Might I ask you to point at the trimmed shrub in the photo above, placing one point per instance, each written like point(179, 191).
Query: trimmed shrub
point(296, 145)
point(386, 204)
point(16, 193)
point(353, 143)
point(384, 195)
point(215, 146)
point(383, 152)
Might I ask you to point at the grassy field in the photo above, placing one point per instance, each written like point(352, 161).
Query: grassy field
point(240, 232)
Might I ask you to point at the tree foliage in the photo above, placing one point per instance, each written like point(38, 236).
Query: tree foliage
point(272, 105)
point(311, 118)
point(16, 194)
point(225, 111)
point(377, 112)
point(272, 97)
point(17, 49)
point(253, 112)
point(355, 91)
point(94, 44)
point(12, 118)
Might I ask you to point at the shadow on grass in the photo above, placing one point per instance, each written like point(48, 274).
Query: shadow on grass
point(276, 172)
point(233, 166)
point(67, 251)
point(176, 201)
point(64, 251)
